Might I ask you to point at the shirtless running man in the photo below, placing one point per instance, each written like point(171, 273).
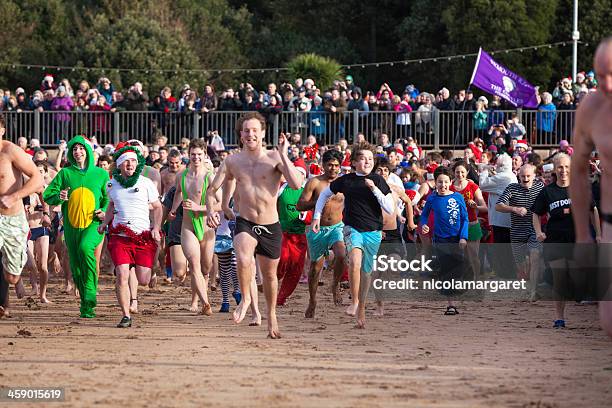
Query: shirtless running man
point(257, 172)
point(14, 164)
point(330, 235)
point(197, 240)
point(168, 175)
point(594, 131)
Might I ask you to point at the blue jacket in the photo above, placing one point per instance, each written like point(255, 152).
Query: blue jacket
point(546, 117)
point(318, 120)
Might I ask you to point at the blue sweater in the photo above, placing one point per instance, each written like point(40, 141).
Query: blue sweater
point(450, 215)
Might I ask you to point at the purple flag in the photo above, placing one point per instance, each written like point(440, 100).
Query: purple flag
point(496, 79)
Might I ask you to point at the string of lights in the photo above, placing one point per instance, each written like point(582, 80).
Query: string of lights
point(103, 70)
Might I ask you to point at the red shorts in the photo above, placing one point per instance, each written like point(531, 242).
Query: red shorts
point(123, 251)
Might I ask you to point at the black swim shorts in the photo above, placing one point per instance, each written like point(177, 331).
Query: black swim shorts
point(269, 237)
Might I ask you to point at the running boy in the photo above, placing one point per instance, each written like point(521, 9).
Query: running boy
point(450, 227)
point(366, 194)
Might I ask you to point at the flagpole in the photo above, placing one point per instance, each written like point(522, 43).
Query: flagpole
point(465, 99)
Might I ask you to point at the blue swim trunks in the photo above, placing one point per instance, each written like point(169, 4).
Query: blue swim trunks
point(320, 243)
point(368, 242)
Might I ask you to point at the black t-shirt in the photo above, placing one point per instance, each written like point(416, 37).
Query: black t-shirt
point(555, 201)
point(361, 208)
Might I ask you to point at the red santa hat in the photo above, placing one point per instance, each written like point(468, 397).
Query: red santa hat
point(477, 152)
point(48, 78)
point(346, 163)
point(300, 165)
point(314, 169)
point(136, 144)
point(129, 152)
point(431, 167)
point(522, 143)
point(415, 150)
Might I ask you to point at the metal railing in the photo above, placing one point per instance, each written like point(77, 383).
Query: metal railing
point(431, 129)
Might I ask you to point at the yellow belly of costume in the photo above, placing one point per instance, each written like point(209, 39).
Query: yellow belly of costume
point(81, 206)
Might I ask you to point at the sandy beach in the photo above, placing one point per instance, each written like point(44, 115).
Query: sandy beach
point(493, 354)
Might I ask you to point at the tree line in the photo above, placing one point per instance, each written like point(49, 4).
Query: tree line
point(192, 34)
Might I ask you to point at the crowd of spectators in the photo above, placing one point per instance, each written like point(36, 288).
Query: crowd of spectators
point(300, 96)
point(322, 109)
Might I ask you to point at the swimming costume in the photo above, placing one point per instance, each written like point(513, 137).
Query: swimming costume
point(269, 237)
point(320, 243)
point(38, 232)
point(196, 220)
point(367, 241)
point(474, 232)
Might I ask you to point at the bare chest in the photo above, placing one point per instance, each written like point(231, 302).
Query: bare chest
point(335, 200)
point(168, 180)
point(9, 180)
point(194, 186)
point(601, 133)
point(256, 175)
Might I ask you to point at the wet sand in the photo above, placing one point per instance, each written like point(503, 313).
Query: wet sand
point(493, 354)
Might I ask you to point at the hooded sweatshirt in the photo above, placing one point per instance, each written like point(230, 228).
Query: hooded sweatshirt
point(87, 189)
point(358, 103)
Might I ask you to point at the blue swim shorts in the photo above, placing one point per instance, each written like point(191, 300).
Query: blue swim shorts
point(368, 242)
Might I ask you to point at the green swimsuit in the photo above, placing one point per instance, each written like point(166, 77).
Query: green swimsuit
point(197, 220)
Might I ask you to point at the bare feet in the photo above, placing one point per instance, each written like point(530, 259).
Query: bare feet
point(241, 310)
point(310, 311)
point(360, 318)
point(273, 332)
point(194, 307)
point(255, 320)
point(352, 309)
point(153, 282)
point(3, 312)
point(380, 311)
point(71, 290)
point(43, 299)
point(206, 309)
point(337, 295)
point(35, 291)
point(20, 289)
point(57, 266)
point(134, 306)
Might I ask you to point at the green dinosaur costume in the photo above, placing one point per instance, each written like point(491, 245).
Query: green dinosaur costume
point(86, 195)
